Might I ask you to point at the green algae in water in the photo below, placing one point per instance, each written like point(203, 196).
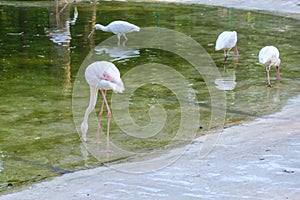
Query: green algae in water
point(38, 137)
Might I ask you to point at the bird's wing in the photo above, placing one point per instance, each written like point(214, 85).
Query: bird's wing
point(269, 54)
point(120, 27)
point(226, 40)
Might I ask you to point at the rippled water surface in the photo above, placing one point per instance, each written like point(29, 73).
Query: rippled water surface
point(44, 94)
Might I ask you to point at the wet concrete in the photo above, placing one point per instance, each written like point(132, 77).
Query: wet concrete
point(288, 8)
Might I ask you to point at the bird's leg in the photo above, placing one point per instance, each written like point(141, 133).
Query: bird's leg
point(125, 36)
point(226, 55)
point(236, 52)
point(108, 120)
point(268, 75)
point(99, 120)
point(277, 73)
point(93, 99)
point(57, 14)
point(119, 39)
point(125, 41)
point(64, 7)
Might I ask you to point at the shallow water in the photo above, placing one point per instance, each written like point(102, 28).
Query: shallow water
point(44, 94)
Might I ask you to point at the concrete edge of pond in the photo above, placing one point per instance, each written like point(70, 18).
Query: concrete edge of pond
point(290, 9)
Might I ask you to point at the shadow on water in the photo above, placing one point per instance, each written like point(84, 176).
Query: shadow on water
point(43, 47)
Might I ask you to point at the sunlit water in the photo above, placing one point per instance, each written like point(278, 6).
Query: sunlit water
point(42, 75)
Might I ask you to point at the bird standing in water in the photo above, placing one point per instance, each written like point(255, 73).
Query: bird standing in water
point(101, 75)
point(269, 55)
point(119, 28)
point(226, 41)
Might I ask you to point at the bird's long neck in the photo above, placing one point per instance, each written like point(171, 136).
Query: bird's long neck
point(101, 27)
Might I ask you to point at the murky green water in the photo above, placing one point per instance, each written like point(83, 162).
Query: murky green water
point(39, 70)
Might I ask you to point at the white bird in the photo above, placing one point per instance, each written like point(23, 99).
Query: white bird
point(269, 55)
point(119, 28)
point(226, 41)
point(101, 75)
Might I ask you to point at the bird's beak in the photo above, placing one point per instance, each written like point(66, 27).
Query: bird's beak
point(91, 33)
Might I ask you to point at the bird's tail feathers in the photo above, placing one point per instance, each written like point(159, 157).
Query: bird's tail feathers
point(119, 87)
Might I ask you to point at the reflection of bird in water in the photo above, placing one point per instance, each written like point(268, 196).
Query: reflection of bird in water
point(227, 81)
point(119, 28)
point(101, 75)
point(73, 21)
point(61, 34)
point(1, 165)
point(117, 53)
point(269, 55)
point(226, 41)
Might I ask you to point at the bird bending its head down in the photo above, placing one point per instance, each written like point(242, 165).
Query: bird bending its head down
point(269, 56)
point(104, 76)
point(226, 41)
point(101, 75)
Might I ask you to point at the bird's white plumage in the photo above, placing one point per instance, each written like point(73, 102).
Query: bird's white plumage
point(269, 55)
point(226, 40)
point(101, 75)
point(104, 76)
point(118, 27)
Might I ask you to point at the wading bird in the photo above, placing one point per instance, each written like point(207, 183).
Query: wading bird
point(226, 41)
point(119, 28)
point(101, 75)
point(269, 55)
